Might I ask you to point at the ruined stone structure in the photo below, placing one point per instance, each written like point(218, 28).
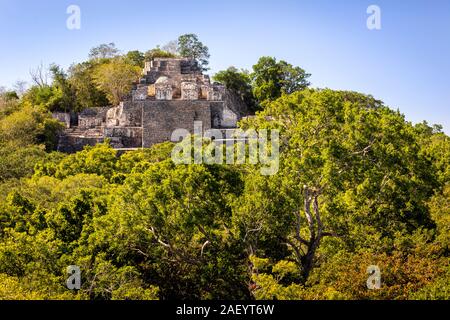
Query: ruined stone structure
point(172, 94)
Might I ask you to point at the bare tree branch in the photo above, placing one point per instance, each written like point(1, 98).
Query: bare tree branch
point(252, 230)
point(39, 75)
point(152, 230)
point(203, 247)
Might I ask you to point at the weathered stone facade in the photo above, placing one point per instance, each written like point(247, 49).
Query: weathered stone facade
point(172, 94)
point(175, 114)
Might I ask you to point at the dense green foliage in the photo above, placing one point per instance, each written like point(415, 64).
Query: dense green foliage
point(375, 192)
point(81, 78)
point(116, 78)
point(273, 78)
point(135, 58)
point(141, 227)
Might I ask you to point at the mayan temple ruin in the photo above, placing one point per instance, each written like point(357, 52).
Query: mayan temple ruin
point(172, 94)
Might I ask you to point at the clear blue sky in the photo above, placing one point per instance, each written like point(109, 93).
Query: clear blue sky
point(406, 63)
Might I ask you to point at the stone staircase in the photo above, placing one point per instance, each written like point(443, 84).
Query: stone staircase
point(75, 138)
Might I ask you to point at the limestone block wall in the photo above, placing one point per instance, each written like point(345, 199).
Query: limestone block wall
point(127, 114)
point(175, 69)
point(93, 117)
point(180, 65)
point(161, 118)
point(152, 76)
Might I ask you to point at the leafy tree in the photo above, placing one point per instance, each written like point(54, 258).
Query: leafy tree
point(436, 290)
point(178, 216)
point(81, 78)
point(267, 280)
point(20, 87)
point(99, 160)
point(189, 46)
point(272, 78)
point(8, 106)
point(440, 211)
point(344, 276)
point(436, 148)
point(115, 79)
point(63, 94)
point(18, 161)
point(13, 289)
point(9, 95)
point(30, 125)
point(346, 171)
point(104, 51)
point(357, 185)
point(49, 97)
point(135, 58)
point(139, 160)
point(68, 96)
